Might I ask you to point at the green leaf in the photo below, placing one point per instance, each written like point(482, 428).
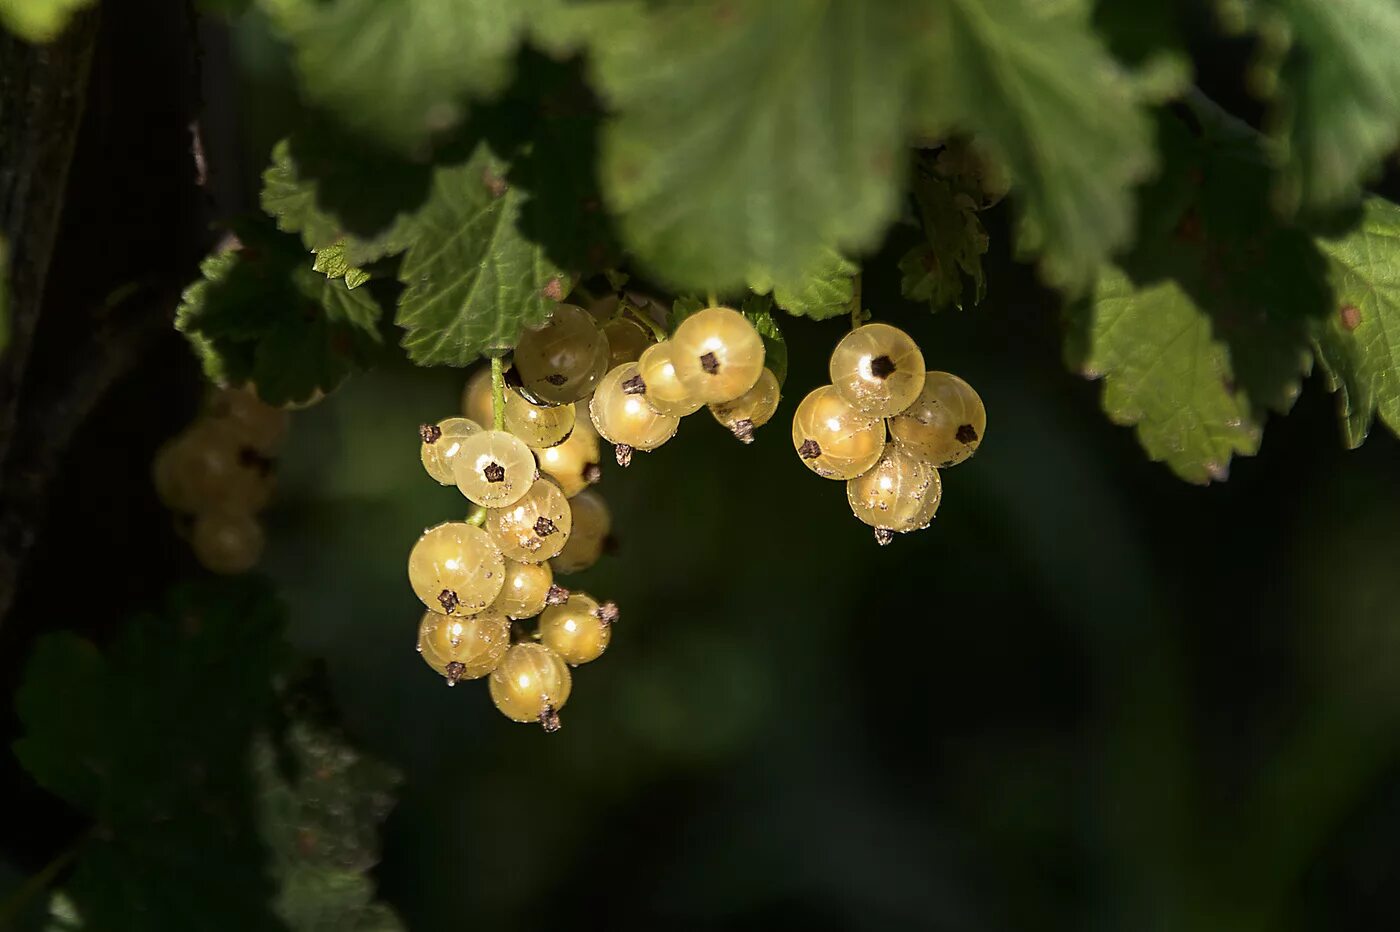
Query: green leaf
point(473, 281)
point(39, 20)
point(759, 310)
point(1164, 372)
point(1337, 112)
point(822, 290)
point(1034, 84)
point(320, 805)
point(751, 135)
point(402, 71)
point(1359, 345)
point(292, 201)
point(1207, 324)
point(955, 242)
point(150, 740)
point(546, 126)
point(262, 314)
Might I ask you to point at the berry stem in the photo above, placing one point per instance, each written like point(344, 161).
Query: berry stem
point(656, 329)
point(857, 315)
point(498, 393)
point(712, 298)
point(477, 516)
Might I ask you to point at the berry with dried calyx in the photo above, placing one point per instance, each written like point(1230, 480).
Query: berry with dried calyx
point(877, 369)
point(494, 468)
point(561, 362)
point(832, 438)
point(534, 528)
point(463, 647)
point(441, 444)
point(664, 390)
point(577, 630)
point(531, 684)
point(752, 409)
point(717, 353)
point(455, 569)
point(945, 422)
point(899, 494)
point(626, 419)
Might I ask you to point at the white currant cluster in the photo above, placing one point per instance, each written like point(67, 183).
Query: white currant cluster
point(217, 474)
point(488, 582)
point(886, 426)
point(715, 358)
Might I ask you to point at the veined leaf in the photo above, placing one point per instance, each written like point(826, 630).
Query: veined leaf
point(759, 310)
point(752, 134)
point(262, 314)
point(1337, 112)
point(1164, 373)
point(473, 281)
point(1034, 84)
point(1359, 345)
point(823, 289)
point(954, 244)
point(402, 71)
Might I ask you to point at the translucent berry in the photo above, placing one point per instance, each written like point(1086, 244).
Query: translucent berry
point(945, 423)
point(592, 523)
point(441, 442)
point(531, 684)
point(227, 542)
point(627, 340)
point(664, 391)
point(463, 647)
point(476, 397)
point(494, 468)
point(900, 492)
point(623, 416)
point(562, 361)
point(832, 438)
point(538, 426)
point(526, 590)
point(455, 569)
point(208, 467)
point(878, 369)
point(576, 463)
point(752, 409)
point(257, 424)
point(535, 528)
point(576, 630)
point(718, 354)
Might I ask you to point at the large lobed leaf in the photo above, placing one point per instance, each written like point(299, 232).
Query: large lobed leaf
point(1207, 324)
point(751, 134)
point(1036, 86)
point(402, 71)
point(262, 314)
point(320, 803)
point(473, 281)
point(151, 740)
point(1164, 373)
point(1337, 88)
point(1359, 345)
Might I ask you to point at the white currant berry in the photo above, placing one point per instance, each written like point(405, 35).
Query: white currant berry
point(588, 537)
point(463, 647)
point(538, 426)
point(945, 423)
point(718, 354)
point(899, 493)
point(627, 340)
point(576, 463)
point(527, 590)
point(208, 467)
point(878, 369)
point(531, 684)
point(455, 569)
point(578, 631)
point(752, 409)
point(441, 442)
point(664, 391)
point(227, 542)
point(562, 361)
point(476, 397)
point(494, 468)
point(257, 424)
point(622, 415)
point(833, 439)
point(535, 527)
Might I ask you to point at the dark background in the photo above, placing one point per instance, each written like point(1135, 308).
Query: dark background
point(1089, 696)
